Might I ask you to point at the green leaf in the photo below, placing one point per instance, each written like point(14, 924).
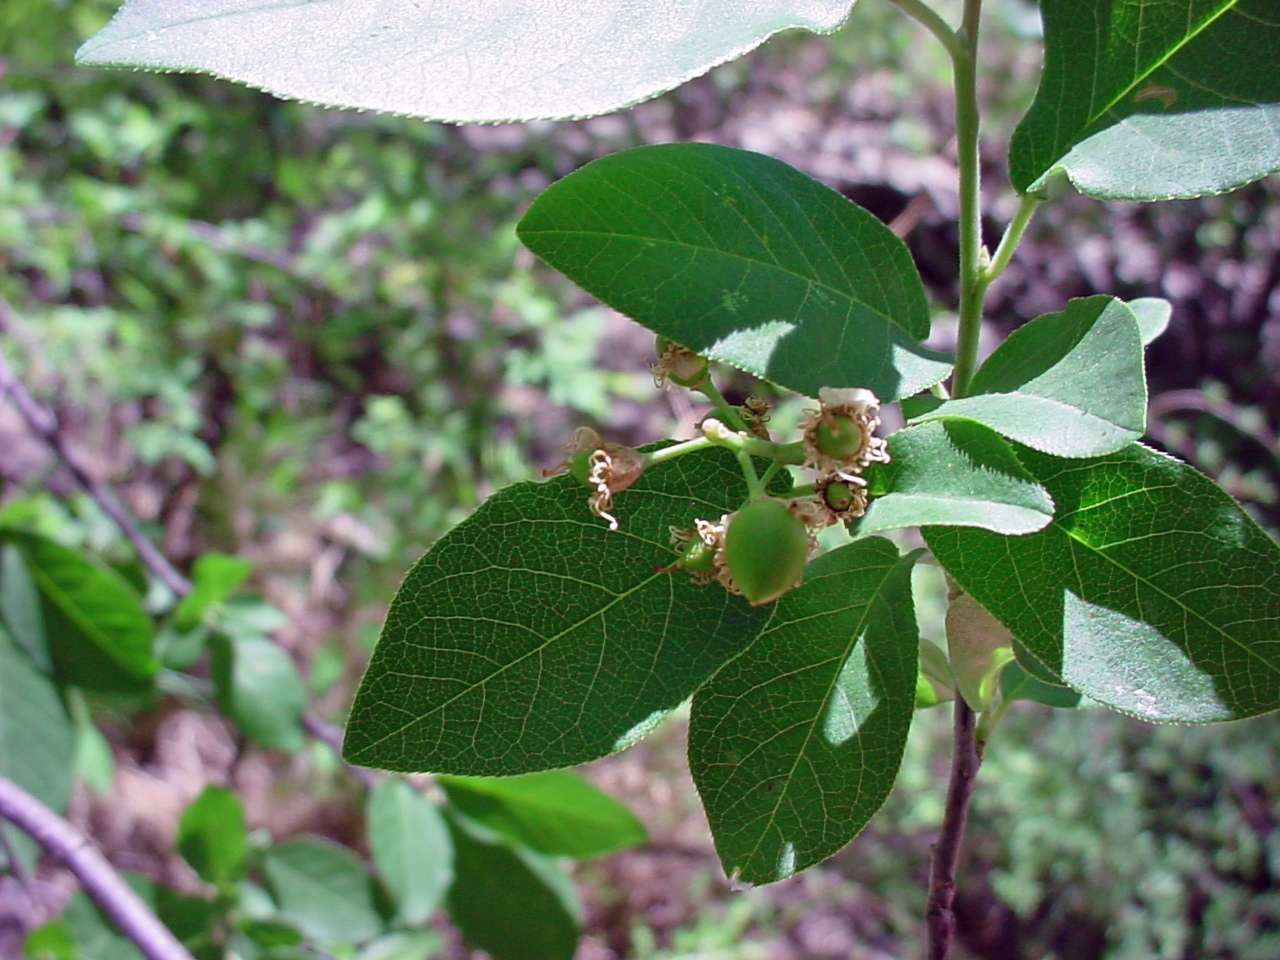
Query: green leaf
point(464, 63)
point(1148, 101)
point(514, 904)
point(954, 471)
point(20, 607)
point(37, 739)
point(259, 689)
point(1151, 591)
point(212, 837)
point(1017, 684)
point(531, 637)
point(411, 849)
point(99, 633)
point(556, 812)
point(1153, 315)
point(213, 578)
point(746, 260)
point(795, 743)
point(1070, 383)
point(322, 889)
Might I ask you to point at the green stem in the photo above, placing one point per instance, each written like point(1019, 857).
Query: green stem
point(1009, 242)
point(928, 17)
point(679, 449)
point(972, 254)
point(724, 411)
point(755, 489)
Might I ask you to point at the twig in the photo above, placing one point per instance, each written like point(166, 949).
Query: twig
point(44, 423)
point(940, 917)
point(99, 879)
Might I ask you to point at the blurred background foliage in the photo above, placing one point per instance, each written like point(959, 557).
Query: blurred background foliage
point(309, 337)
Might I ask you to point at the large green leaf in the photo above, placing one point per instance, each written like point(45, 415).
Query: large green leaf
point(100, 635)
point(795, 743)
point(1152, 99)
point(744, 259)
point(323, 890)
point(1151, 591)
point(513, 904)
point(555, 812)
point(37, 739)
point(1068, 383)
point(532, 637)
point(411, 848)
point(954, 471)
point(469, 62)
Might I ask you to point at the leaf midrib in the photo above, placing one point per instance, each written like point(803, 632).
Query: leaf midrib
point(826, 698)
point(1209, 20)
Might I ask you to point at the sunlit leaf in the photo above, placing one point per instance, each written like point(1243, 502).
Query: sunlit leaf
point(746, 260)
point(462, 61)
point(1146, 100)
point(1151, 591)
point(795, 743)
point(532, 637)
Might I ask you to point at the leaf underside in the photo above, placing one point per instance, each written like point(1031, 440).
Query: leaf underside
point(461, 62)
point(1070, 383)
point(1146, 100)
point(746, 260)
point(531, 637)
point(954, 471)
point(1151, 591)
point(795, 743)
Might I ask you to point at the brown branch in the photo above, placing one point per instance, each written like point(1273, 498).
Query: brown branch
point(114, 897)
point(940, 917)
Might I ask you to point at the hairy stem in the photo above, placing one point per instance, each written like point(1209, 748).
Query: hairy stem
point(106, 888)
point(924, 14)
point(940, 917)
point(972, 253)
point(976, 272)
point(1009, 242)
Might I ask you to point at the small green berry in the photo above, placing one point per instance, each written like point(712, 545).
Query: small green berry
point(699, 558)
point(765, 548)
point(840, 438)
point(839, 495)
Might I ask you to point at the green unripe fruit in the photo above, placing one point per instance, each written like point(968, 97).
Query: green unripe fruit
point(699, 558)
point(765, 548)
point(841, 438)
point(839, 495)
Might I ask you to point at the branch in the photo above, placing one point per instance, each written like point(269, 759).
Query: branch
point(44, 423)
point(114, 897)
point(940, 917)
